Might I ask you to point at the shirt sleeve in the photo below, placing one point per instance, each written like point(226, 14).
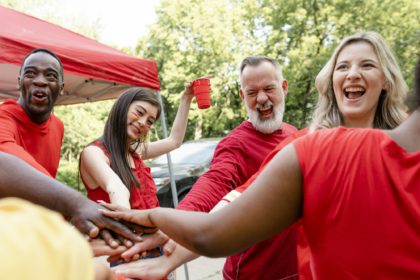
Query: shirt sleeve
point(228, 169)
point(9, 144)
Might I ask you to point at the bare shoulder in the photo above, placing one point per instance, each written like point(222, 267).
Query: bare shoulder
point(93, 153)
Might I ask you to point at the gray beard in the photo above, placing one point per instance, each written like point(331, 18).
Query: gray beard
point(270, 125)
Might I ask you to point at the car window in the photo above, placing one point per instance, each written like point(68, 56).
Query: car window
point(188, 153)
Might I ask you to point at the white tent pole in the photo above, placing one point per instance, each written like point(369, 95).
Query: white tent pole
point(168, 155)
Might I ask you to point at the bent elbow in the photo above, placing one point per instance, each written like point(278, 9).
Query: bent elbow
point(204, 245)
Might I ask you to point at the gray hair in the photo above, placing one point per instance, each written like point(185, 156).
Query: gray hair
point(257, 60)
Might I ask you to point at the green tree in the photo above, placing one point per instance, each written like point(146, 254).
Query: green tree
point(196, 38)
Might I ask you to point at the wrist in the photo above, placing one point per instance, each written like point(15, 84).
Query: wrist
point(187, 97)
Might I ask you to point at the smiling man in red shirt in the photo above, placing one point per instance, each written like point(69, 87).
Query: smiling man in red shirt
point(28, 128)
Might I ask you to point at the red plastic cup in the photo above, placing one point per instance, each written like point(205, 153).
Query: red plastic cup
point(201, 90)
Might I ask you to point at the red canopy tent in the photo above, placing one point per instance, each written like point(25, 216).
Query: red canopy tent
point(92, 71)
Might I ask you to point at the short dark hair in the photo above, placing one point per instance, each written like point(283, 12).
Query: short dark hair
point(417, 85)
point(115, 138)
point(48, 52)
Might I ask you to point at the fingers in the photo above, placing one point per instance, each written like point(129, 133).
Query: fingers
point(127, 243)
point(85, 227)
point(107, 237)
point(133, 270)
point(118, 215)
point(101, 248)
point(140, 218)
point(112, 207)
point(120, 229)
point(114, 258)
point(169, 247)
point(119, 259)
point(136, 249)
point(148, 269)
point(150, 241)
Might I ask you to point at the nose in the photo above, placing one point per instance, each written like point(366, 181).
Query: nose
point(261, 97)
point(142, 121)
point(353, 73)
point(40, 80)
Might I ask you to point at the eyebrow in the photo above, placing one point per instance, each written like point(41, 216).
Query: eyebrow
point(144, 109)
point(370, 60)
point(363, 60)
point(37, 68)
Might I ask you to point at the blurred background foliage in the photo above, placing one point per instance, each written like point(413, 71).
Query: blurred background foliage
point(196, 38)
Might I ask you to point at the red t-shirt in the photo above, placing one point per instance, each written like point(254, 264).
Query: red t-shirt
point(37, 144)
point(140, 198)
point(361, 206)
point(270, 156)
point(236, 158)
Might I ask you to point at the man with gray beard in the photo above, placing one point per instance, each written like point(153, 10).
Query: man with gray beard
point(237, 157)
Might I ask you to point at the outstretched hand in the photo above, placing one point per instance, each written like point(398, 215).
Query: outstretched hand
point(148, 269)
point(88, 220)
point(150, 241)
point(137, 219)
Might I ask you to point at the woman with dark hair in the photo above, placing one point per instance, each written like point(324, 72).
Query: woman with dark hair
point(112, 167)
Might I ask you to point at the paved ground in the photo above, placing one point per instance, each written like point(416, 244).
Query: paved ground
point(202, 269)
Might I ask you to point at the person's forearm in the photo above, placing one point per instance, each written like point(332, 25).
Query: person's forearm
point(180, 123)
point(118, 192)
point(18, 179)
point(190, 226)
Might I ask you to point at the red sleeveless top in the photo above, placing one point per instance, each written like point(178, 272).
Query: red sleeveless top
point(140, 198)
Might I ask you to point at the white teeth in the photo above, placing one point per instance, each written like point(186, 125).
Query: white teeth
point(39, 94)
point(354, 89)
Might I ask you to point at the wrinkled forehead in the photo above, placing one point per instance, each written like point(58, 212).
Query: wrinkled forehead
point(264, 70)
point(259, 76)
point(42, 60)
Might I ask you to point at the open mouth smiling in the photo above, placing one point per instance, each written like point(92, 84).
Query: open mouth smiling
point(265, 111)
point(354, 92)
point(39, 96)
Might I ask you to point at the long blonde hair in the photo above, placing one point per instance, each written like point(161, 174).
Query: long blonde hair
point(391, 110)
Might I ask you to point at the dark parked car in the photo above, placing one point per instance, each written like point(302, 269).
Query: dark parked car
point(188, 162)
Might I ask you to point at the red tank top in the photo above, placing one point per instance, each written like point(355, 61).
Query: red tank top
point(140, 198)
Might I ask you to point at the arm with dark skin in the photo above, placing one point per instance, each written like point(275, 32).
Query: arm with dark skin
point(221, 233)
point(18, 179)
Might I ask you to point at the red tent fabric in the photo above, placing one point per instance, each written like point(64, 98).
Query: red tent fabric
point(92, 71)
